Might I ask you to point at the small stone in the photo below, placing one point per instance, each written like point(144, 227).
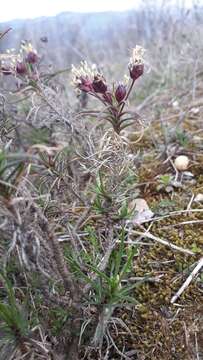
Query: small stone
point(169, 189)
point(176, 184)
point(175, 104)
point(188, 174)
point(195, 110)
point(198, 198)
point(197, 139)
point(143, 212)
point(181, 163)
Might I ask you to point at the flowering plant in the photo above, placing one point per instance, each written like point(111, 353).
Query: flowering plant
point(90, 80)
point(22, 65)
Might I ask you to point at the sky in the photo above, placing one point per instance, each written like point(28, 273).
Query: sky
point(21, 9)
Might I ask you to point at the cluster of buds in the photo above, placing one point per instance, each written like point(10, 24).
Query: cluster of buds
point(21, 64)
point(90, 80)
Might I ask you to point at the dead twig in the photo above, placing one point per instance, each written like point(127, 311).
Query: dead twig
point(162, 241)
point(2, 34)
point(85, 215)
point(188, 280)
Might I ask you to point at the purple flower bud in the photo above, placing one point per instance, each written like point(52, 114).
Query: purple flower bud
point(6, 70)
point(120, 93)
point(136, 71)
point(99, 85)
point(31, 57)
point(21, 68)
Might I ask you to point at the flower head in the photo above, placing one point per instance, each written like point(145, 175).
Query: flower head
point(30, 53)
point(31, 57)
point(88, 79)
point(99, 84)
point(136, 64)
point(82, 75)
point(17, 63)
point(84, 84)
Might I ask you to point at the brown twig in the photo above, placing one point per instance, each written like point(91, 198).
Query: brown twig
point(188, 280)
point(162, 241)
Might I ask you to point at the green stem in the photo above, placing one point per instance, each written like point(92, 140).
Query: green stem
point(127, 95)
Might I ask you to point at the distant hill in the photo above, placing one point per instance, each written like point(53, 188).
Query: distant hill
point(70, 35)
point(94, 36)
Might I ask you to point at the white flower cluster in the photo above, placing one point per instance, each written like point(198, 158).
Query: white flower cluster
point(27, 47)
point(137, 56)
point(83, 71)
point(10, 58)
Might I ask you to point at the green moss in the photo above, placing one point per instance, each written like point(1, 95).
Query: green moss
point(158, 327)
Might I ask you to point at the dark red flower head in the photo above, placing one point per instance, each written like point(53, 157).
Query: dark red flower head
point(136, 71)
point(120, 93)
point(21, 68)
point(31, 57)
point(85, 84)
point(99, 85)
